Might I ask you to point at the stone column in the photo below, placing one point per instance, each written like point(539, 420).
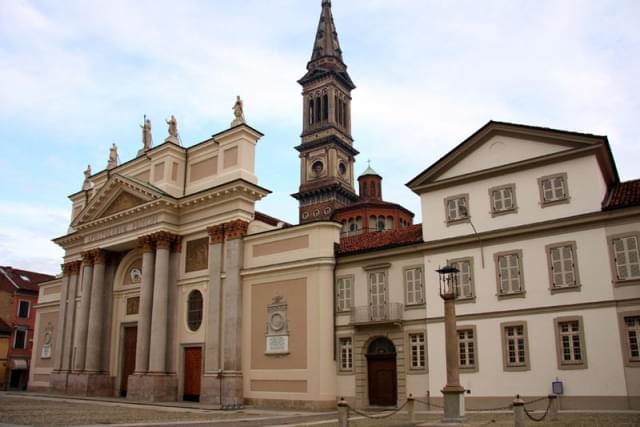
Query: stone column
point(62, 318)
point(83, 315)
point(210, 389)
point(67, 346)
point(158, 349)
point(232, 321)
point(174, 265)
point(96, 314)
point(146, 302)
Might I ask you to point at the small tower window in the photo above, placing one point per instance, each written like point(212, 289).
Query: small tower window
point(194, 310)
point(335, 108)
point(311, 111)
point(325, 107)
point(318, 110)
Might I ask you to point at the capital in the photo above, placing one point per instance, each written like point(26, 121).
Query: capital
point(99, 256)
point(236, 229)
point(216, 234)
point(146, 243)
point(87, 257)
point(177, 244)
point(163, 239)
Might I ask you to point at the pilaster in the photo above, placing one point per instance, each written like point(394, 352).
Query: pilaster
point(96, 314)
point(172, 312)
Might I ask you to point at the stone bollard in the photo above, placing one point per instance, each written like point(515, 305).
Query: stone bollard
point(553, 407)
point(411, 408)
point(343, 413)
point(518, 412)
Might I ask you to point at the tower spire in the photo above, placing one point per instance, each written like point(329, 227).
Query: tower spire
point(326, 42)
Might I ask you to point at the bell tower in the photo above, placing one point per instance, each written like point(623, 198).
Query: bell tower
point(326, 150)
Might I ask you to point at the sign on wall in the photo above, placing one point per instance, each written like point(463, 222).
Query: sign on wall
point(277, 327)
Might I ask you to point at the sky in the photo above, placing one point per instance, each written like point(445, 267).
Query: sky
point(77, 76)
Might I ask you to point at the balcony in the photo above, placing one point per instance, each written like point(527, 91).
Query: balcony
point(373, 315)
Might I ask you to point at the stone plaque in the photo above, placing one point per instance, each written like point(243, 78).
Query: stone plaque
point(277, 327)
point(133, 305)
point(46, 345)
point(197, 255)
point(278, 344)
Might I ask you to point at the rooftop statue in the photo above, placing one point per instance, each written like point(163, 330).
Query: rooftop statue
point(113, 157)
point(238, 112)
point(147, 141)
point(173, 130)
point(87, 184)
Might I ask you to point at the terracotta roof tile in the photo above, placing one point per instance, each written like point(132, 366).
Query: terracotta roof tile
point(624, 194)
point(23, 279)
point(381, 240)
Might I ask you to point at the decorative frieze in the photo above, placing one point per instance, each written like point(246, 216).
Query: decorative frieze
point(235, 229)
point(216, 234)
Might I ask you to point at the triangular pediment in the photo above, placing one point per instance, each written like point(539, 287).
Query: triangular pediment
point(118, 195)
point(501, 145)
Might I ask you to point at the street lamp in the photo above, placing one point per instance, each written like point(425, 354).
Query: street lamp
point(452, 392)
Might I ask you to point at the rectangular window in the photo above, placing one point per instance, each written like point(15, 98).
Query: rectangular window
point(377, 295)
point(467, 349)
point(570, 343)
point(20, 338)
point(416, 341)
point(632, 335)
point(553, 189)
point(457, 208)
point(413, 286)
point(344, 293)
point(626, 257)
point(562, 265)
point(503, 199)
point(464, 287)
point(23, 309)
point(509, 273)
point(514, 346)
point(346, 354)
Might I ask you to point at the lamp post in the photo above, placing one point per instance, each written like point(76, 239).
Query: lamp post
point(452, 392)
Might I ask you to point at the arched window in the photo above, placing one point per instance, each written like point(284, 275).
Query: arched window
point(325, 107)
point(364, 188)
point(389, 224)
point(194, 310)
point(318, 109)
point(380, 225)
point(380, 346)
point(311, 111)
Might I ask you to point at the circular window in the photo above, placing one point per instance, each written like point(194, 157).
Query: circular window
point(317, 167)
point(305, 215)
point(316, 212)
point(327, 210)
point(194, 310)
point(342, 169)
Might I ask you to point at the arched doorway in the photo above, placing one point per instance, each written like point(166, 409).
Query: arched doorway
point(381, 369)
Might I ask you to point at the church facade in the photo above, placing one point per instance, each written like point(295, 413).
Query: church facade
point(175, 288)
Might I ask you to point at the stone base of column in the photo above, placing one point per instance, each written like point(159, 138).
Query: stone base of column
point(453, 405)
point(230, 384)
point(58, 382)
point(152, 387)
point(90, 384)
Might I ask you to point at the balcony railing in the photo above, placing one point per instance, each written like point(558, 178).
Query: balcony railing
point(385, 313)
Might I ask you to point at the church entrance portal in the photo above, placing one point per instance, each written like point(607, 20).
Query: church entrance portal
point(192, 373)
point(381, 368)
point(128, 356)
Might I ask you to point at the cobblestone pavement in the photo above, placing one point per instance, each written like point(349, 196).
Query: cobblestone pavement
point(23, 409)
point(26, 409)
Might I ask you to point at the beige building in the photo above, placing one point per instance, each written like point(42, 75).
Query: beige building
point(176, 288)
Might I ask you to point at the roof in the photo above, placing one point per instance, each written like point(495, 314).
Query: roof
point(363, 204)
point(381, 240)
point(369, 171)
point(268, 219)
point(22, 279)
point(623, 195)
point(4, 327)
point(573, 140)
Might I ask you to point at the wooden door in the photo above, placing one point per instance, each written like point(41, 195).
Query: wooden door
point(382, 381)
point(192, 373)
point(128, 356)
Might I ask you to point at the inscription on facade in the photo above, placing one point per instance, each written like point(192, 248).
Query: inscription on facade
point(277, 327)
point(46, 345)
point(121, 229)
point(133, 305)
